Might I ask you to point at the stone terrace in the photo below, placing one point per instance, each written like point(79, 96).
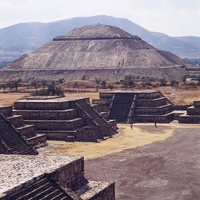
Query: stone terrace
point(69, 119)
point(38, 177)
point(26, 131)
point(193, 114)
point(135, 106)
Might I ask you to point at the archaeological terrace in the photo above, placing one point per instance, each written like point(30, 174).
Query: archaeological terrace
point(68, 119)
point(135, 106)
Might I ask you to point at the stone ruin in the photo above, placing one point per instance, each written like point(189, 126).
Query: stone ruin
point(17, 137)
point(135, 106)
point(27, 175)
point(68, 119)
point(192, 115)
point(48, 178)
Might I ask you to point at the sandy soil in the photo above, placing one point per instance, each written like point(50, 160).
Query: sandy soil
point(163, 170)
point(126, 138)
point(146, 162)
point(7, 99)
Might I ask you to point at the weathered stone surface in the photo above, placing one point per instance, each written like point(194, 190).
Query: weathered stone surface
point(97, 50)
point(49, 177)
point(136, 106)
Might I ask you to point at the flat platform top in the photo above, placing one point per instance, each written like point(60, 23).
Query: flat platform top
point(16, 169)
point(50, 99)
point(132, 91)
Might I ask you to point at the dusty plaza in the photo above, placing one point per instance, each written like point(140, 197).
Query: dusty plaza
point(144, 160)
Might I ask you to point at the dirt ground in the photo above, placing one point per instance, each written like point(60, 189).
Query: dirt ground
point(146, 162)
point(164, 170)
point(177, 96)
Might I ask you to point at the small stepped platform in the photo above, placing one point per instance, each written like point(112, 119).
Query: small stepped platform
point(69, 119)
point(192, 115)
point(136, 106)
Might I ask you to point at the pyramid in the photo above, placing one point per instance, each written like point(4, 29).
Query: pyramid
point(96, 51)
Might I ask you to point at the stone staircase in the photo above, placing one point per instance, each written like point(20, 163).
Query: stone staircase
point(26, 131)
point(120, 107)
point(64, 119)
point(136, 106)
point(103, 126)
point(12, 141)
point(49, 178)
point(42, 189)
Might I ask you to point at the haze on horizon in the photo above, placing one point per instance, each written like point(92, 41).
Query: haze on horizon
point(172, 17)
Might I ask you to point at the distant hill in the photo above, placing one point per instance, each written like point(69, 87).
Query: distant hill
point(26, 37)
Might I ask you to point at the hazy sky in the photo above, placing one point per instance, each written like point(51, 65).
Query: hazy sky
point(172, 17)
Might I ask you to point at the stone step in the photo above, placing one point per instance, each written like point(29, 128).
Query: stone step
point(41, 105)
point(38, 140)
point(16, 120)
point(56, 124)
point(68, 136)
point(164, 109)
point(166, 118)
point(42, 189)
point(47, 114)
point(27, 131)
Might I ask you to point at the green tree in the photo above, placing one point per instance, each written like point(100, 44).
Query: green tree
point(35, 84)
point(3, 86)
point(103, 83)
point(184, 78)
point(44, 83)
point(198, 79)
point(110, 87)
point(172, 83)
point(163, 82)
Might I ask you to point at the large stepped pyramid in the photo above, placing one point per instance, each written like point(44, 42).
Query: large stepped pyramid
point(135, 106)
point(93, 52)
point(49, 178)
point(64, 118)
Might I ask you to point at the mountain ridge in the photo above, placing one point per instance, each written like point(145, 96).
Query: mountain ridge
point(25, 37)
point(96, 51)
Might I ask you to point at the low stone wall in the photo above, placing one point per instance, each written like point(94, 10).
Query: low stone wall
point(150, 95)
point(104, 96)
point(87, 134)
point(56, 124)
point(47, 114)
point(196, 103)
point(40, 105)
point(70, 174)
point(154, 118)
point(154, 110)
point(193, 110)
point(151, 102)
point(189, 119)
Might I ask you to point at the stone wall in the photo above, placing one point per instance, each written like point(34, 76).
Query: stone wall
point(107, 73)
point(136, 106)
